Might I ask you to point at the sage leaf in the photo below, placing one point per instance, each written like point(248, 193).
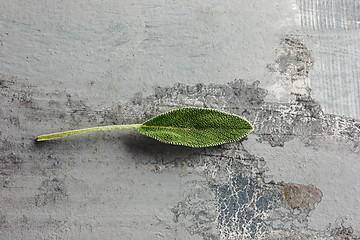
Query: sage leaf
point(196, 127)
point(193, 127)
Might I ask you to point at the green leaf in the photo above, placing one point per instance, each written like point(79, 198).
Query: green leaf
point(196, 127)
point(193, 127)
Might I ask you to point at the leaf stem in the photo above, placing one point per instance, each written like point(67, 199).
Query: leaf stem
point(85, 130)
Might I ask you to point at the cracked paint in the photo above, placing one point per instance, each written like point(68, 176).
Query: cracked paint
point(228, 198)
point(232, 200)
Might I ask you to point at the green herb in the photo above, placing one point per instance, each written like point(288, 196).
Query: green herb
point(193, 127)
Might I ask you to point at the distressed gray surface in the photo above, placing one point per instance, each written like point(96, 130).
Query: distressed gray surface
point(122, 47)
point(294, 177)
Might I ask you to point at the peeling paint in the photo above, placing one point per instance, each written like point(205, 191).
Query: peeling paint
point(302, 197)
point(231, 200)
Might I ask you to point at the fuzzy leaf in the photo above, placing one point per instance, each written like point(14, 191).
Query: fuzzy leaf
point(196, 127)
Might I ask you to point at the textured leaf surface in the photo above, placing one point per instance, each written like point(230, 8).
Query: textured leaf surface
point(196, 127)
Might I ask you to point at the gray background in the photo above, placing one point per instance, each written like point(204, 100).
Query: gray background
point(290, 67)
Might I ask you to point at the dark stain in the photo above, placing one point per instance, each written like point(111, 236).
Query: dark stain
point(14, 121)
point(273, 140)
point(2, 83)
point(293, 197)
point(5, 145)
point(293, 59)
point(301, 197)
point(3, 222)
point(344, 233)
point(10, 163)
point(51, 192)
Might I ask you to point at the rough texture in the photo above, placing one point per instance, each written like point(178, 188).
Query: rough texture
point(121, 47)
point(196, 127)
point(227, 198)
point(67, 65)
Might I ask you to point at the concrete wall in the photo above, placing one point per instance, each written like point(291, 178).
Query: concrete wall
point(289, 67)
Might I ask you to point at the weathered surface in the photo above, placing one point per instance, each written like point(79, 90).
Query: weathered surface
point(122, 47)
point(67, 65)
point(223, 194)
point(331, 29)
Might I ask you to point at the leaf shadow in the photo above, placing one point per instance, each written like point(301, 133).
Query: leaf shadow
point(150, 151)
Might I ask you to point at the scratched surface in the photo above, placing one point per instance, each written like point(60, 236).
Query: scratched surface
point(331, 29)
point(67, 65)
